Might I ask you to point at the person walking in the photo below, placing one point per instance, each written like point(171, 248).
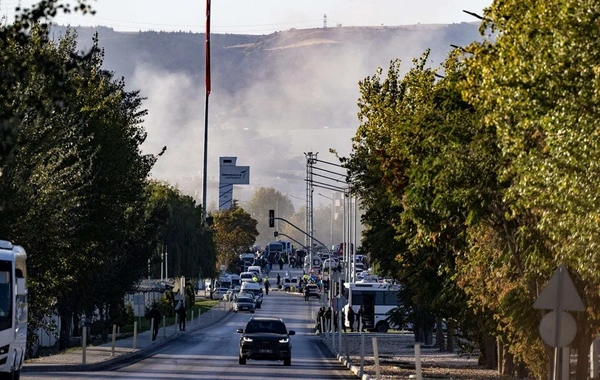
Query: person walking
point(154, 316)
point(328, 326)
point(306, 293)
point(351, 318)
point(320, 318)
point(278, 281)
point(267, 286)
point(335, 320)
point(182, 316)
point(360, 319)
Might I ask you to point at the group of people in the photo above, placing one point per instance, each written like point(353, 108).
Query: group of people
point(329, 318)
point(155, 317)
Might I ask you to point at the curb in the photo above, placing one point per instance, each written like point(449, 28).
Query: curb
point(138, 354)
point(353, 368)
point(348, 364)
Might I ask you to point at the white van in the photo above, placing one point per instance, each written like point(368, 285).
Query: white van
point(256, 269)
point(246, 277)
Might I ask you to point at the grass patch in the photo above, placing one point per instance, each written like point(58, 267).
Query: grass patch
point(202, 306)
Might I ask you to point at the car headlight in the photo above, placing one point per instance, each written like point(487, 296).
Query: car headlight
point(284, 340)
point(246, 339)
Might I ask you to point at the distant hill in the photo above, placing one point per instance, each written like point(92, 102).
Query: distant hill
point(273, 96)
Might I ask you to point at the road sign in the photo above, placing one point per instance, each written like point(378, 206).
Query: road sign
point(567, 329)
point(560, 289)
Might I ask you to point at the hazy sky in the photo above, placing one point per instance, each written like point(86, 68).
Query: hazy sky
point(264, 16)
point(272, 143)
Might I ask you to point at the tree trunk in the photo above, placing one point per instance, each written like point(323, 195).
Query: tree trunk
point(522, 372)
point(419, 335)
point(439, 335)
point(582, 342)
point(65, 315)
point(451, 335)
point(428, 337)
point(102, 319)
point(76, 325)
point(508, 368)
point(489, 354)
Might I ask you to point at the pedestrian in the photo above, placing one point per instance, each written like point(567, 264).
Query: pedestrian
point(267, 286)
point(328, 326)
point(182, 315)
point(335, 320)
point(281, 262)
point(320, 317)
point(351, 318)
point(344, 320)
point(154, 316)
point(360, 319)
point(278, 281)
point(306, 293)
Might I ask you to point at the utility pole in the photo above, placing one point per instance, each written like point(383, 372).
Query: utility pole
point(311, 159)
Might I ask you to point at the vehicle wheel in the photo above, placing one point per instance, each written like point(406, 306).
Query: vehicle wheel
point(287, 361)
point(382, 327)
point(252, 311)
point(242, 360)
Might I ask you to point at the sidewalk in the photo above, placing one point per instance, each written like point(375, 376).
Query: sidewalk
point(100, 357)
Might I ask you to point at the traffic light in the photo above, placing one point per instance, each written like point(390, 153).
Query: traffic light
point(271, 218)
point(275, 233)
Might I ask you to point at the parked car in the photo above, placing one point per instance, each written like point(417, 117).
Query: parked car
point(244, 303)
point(218, 293)
point(265, 339)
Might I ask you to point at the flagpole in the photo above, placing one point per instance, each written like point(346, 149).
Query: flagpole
point(208, 85)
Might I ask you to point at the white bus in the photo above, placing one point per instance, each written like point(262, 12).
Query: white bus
point(13, 309)
point(376, 299)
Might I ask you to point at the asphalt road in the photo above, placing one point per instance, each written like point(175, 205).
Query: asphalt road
point(214, 354)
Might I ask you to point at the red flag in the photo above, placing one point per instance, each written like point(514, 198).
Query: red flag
point(207, 48)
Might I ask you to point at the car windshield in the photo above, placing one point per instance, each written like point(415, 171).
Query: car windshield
point(275, 327)
point(245, 300)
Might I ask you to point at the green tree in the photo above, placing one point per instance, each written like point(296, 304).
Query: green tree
point(535, 80)
point(74, 185)
point(423, 143)
point(234, 233)
point(14, 70)
point(189, 244)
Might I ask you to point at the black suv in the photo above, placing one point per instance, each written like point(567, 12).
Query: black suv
point(266, 339)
